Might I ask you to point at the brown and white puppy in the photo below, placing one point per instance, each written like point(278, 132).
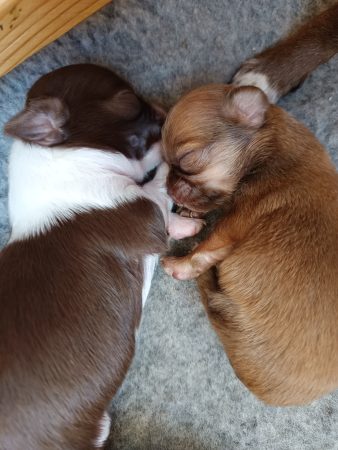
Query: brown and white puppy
point(78, 266)
point(273, 295)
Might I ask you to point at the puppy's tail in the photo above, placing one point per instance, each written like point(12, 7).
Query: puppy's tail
point(284, 66)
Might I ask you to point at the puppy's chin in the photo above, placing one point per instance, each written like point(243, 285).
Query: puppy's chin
point(188, 195)
point(201, 207)
point(194, 199)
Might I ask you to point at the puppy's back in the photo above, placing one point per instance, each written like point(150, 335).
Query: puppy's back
point(276, 303)
point(70, 301)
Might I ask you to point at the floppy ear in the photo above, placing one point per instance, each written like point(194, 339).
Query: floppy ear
point(40, 122)
point(246, 105)
point(160, 111)
point(125, 104)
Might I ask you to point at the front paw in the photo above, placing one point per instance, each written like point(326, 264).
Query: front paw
point(180, 268)
point(185, 212)
point(181, 227)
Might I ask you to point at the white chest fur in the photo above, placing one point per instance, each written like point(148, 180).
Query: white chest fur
point(48, 184)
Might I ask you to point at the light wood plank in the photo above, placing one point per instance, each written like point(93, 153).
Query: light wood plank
point(28, 25)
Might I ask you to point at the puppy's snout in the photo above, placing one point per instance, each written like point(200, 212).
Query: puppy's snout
point(178, 188)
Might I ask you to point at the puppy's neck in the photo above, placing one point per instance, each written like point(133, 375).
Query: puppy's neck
point(49, 185)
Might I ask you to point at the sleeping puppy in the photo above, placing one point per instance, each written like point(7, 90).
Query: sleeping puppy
point(78, 266)
point(270, 266)
point(273, 295)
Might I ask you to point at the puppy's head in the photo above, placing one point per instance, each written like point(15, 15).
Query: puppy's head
point(206, 140)
point(85, 105)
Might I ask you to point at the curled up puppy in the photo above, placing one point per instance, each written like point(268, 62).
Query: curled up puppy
point(76, 272)
point(268, 271)
point(271, 292)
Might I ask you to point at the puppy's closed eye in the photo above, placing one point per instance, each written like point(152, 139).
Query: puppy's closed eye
point(193, 161)
point(181, 172)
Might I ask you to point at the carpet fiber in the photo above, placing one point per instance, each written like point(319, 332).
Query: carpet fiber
point(181, 392)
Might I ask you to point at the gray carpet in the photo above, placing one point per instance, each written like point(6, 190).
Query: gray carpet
point(181, 392)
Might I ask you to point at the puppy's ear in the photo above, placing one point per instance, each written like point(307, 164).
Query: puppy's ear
point(40, 122)
point(124, 104)
point(246, 105)
point(160, 111)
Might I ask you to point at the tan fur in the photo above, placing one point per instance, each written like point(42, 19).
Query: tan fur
point(273, 296)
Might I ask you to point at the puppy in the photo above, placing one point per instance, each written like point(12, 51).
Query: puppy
point(272, 297)
point(78, 266)
point(275, 320)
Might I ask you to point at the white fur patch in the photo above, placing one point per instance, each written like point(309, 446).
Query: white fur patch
point(49, 184)
point(259, 80)
point(152, 158)
point(104, 427)
point(149, 266)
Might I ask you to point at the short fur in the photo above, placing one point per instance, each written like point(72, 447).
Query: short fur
point(70, 302)
point(284, 66)
point(275, 303)
point(273, 298)
point(85, 235)
point(272, 294)
point(84, 105)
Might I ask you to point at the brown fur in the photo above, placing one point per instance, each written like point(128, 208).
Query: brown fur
point(289, 62)
point(71, 297)
point(85, 105)
point(273, 299)
point(70, 304)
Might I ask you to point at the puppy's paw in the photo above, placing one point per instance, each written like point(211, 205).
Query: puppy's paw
point(181, 227)
point(185, 212)
point(254, 72)
point(179, 268)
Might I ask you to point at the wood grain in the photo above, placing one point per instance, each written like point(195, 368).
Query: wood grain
point(28, 25)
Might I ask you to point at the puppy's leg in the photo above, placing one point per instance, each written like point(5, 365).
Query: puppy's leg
point(208, 285)
point(281, 68)
point(180, 227)
point(208, 253)
point(184, 212)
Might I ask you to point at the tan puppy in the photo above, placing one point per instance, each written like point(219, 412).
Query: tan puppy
point(273, 296)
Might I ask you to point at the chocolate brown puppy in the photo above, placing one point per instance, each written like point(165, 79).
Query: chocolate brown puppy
point(86, 227)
